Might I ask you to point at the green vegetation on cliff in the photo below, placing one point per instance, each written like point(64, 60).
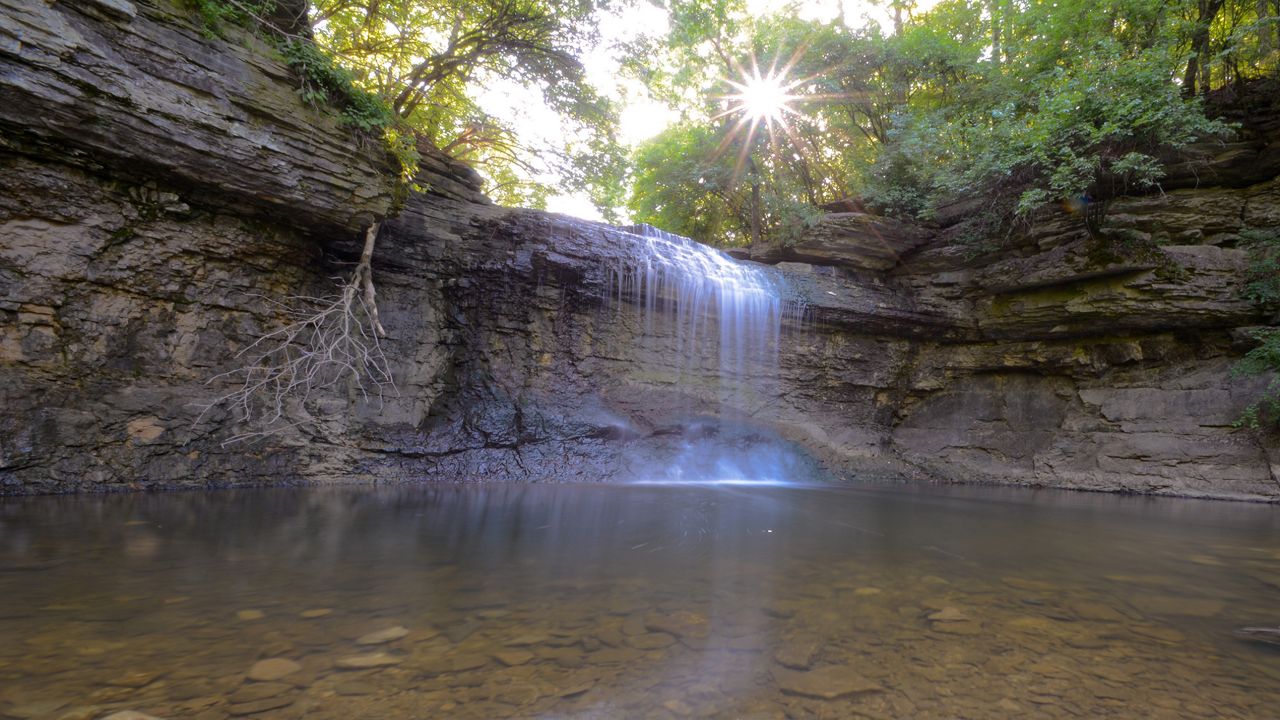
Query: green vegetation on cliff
point(1264, 289)
point(1018, 102)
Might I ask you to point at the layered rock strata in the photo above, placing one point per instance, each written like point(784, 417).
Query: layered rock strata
point(163, 189)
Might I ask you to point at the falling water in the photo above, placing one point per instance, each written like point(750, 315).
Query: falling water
point(713, 325)
point(701, 296)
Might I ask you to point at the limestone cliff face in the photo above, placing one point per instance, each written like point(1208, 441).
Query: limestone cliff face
point(157, 185)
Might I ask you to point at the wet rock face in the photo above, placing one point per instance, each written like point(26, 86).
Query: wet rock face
point(137, 257)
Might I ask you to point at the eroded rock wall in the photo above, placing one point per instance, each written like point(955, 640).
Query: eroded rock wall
point(160, 189)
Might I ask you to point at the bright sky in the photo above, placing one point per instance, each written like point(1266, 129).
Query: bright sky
point(642, 117)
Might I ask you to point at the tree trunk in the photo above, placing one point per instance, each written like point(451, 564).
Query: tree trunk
point(1267, 31)
point(1198, 64)
point(997, 21)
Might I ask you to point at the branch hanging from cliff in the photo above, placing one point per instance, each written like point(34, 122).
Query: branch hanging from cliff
point(326, 342)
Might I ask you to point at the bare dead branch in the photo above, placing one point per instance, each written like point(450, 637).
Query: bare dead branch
point(326, 342)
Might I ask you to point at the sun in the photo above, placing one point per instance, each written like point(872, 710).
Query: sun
point(762, 97)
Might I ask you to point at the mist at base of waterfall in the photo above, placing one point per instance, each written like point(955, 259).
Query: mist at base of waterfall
point(710, 452)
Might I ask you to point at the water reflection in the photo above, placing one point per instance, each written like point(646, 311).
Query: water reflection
point(637, 601)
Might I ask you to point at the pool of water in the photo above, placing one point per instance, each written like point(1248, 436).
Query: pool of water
point(593, 601)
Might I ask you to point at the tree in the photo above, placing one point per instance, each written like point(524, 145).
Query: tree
point(427, 59)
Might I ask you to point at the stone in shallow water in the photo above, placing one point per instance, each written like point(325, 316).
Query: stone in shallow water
point(315, 613)
point(273, 669)
point(355, 687)
point(798, 654)
point(250, 615)
point(368, 661)
point(383, 636)
point(957, 628)
point(135, 679)
point(258, 706)
point(682, 623)
point(948, 615)
point(259, 691)
point(825, 683)
point(527, 640)
point(576, 687)
point(512, 658)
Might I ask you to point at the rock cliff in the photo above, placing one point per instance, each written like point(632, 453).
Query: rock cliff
point(159, 186)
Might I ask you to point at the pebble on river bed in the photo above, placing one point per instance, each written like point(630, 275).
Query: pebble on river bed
point(825, 683)
point(273, 669)
point(383, 636)
point(365, 662)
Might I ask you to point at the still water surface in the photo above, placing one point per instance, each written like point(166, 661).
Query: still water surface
point(593, 601)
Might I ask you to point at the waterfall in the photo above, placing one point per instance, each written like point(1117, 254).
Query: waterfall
point(700, 295)
point(709, 327)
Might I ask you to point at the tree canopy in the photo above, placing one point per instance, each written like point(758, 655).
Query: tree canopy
point(1023, 102)
point(429, 59)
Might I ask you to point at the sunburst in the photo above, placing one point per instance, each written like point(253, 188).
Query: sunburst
point(763, 98)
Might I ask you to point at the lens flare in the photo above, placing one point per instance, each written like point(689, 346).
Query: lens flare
point(762, 97)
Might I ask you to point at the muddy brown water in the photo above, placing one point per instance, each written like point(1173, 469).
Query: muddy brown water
point(595, 601)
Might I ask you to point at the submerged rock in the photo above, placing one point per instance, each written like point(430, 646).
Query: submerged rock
point(367, 662)
point(827, 683)
point(273, 669)
point(380, 637)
